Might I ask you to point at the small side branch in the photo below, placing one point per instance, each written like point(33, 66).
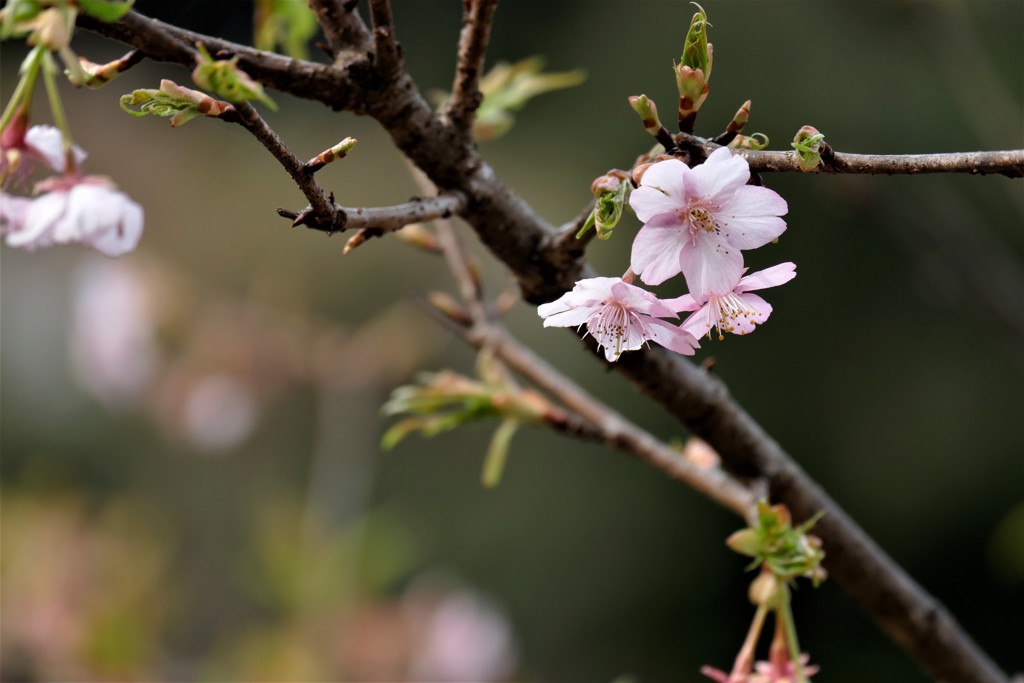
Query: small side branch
point(322, 210)
point(1009, 163)
point(466, 97)
point(389, 54)
point(384, 219)
point(342, 26)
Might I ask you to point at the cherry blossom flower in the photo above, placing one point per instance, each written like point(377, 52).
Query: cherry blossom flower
point(620, 317)
point(696, 221)
point(23, 150)
point(735, 310)
point(88, 210)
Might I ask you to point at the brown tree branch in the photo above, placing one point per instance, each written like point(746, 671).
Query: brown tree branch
point(341, 24)
point(389, 54)
point(477, 18)
point(323, 211)
point(1009, 163)
point(523, 241)
point(383, 219)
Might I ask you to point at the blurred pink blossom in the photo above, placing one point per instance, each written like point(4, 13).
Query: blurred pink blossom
point(87, 210)
point(21, 151)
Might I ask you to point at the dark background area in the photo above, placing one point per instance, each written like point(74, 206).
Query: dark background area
point(891, 368)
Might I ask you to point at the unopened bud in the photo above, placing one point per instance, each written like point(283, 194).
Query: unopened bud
point(809, 145)
point(739, 119)
point(647, 111)
point(447, 305)
point(765, 589)
point(339, 151)
point(97, 75)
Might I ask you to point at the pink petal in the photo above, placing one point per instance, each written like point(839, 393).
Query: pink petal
point(751, 218)
point(656, 253)
point(560, 314)
point(755, 311)
point(769, 277)
point(648, 202)
point(36, 231)
point(717, 178)
point(672, 336)
point(666, 176)
point(47, 144)
point(686, 302)
point(700, 322)
point(712, 266)
point(124, 237)
point(641, 301)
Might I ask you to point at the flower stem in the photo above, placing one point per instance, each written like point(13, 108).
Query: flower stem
point(57, 109)
point(745, 659)
point(785, 614)
point(22, 97)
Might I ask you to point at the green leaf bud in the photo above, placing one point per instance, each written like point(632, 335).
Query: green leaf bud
point(809, 145)
point(223, 77)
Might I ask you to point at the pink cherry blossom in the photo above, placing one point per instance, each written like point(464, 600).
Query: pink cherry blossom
point(734, 310)
point(620, 317)
point(696, 221)
point(87, 210)
point(38, 146)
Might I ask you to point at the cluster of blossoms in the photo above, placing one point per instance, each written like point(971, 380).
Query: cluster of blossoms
point(696, 223)
point(68, 207)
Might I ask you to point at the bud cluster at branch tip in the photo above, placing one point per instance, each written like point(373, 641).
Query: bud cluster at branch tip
point(225, 79)
point(693, 72)
point(610, 191)
point(339, 151)
point(809, 145)
point(178, 102)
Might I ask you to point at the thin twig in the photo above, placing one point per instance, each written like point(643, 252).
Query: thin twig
point(324, 212)
point(477, 18)
point(389, 54)
point(615, 431)
point(342, 26)
point(1009, 163)
point(386, 218)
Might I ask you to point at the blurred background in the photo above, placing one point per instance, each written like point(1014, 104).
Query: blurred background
point(192, 487)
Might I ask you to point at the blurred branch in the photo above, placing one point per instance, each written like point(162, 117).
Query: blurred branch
point(477, 18)
point(341, 24)
point(522, 240)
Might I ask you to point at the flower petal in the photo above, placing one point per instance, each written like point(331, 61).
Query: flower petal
point(769, 277)
point(719, 177)
point(648, 202)
point(712, 266)
point(657, 253)
point(672, 337)
point(751, 218)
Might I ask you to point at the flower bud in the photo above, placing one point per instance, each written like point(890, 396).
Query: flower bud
point(739, 119)
point(766, 589)
point(809, 145)
point(648, 113)
point(98, 75)
point(339, 151)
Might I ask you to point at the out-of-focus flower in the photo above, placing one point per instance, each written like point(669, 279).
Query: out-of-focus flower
point(458, 635)
point(113, 342)
point(620, 316)
point(696, 221)
point(735, 311)
point(219, 412)
point(87, 210)
point(23, 150)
